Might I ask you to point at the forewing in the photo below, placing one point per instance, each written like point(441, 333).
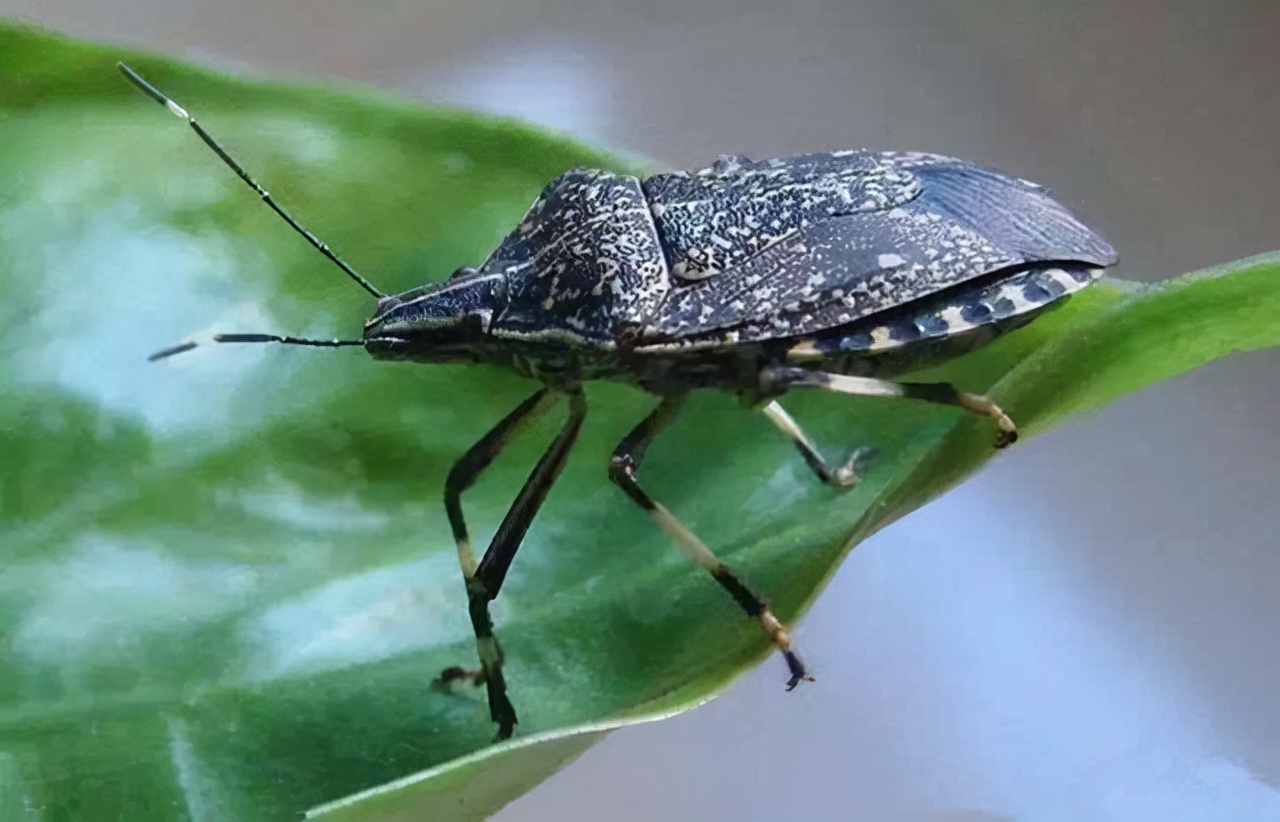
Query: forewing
point(715, 220)
point(964, 222)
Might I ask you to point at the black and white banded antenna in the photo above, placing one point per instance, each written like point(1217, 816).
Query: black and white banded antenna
point(316, 243)
point(182, 348)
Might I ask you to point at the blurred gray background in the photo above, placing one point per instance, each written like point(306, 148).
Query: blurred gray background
point(1087, 631)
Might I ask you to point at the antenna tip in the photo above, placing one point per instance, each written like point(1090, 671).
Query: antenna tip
point(152, 92)
point(132, 75)
point(180, 348)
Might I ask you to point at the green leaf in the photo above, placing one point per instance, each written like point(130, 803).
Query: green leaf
point(228, 579)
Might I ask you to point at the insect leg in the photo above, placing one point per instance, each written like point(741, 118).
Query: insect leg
point(846, 476)
point(779, 378)
point(622, 471)
point(464, 474)
point(469, 467)
point(484, 578)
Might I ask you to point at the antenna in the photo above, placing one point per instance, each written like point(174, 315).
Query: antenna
point(154, 93)
point(182, 348)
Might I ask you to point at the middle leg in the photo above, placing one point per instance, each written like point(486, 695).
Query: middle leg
point(622, 471)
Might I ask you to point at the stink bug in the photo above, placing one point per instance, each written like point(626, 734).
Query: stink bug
point(836, 271)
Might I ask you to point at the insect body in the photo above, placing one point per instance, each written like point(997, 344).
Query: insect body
point(836, 271)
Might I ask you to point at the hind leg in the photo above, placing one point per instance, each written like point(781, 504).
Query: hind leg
point(845, 476)
point(777, 379)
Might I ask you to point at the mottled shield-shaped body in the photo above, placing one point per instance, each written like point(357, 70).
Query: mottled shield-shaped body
point(749, 252)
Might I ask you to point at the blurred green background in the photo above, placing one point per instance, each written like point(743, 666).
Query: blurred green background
point(1086, 630)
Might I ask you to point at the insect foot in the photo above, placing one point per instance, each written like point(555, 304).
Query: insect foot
point(456, 673)
point(782, 640)
point(501, 711)
point(979, 404)
point(848, 475)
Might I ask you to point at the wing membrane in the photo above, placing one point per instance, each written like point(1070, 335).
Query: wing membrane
point(963, 222)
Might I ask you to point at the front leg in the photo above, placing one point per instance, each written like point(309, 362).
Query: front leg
point(484, 578)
